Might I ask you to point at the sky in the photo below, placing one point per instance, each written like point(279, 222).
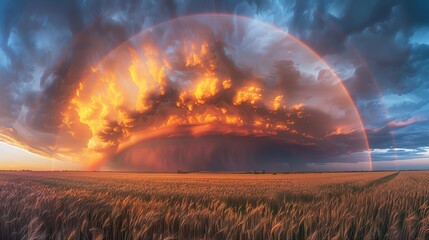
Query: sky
point(253, 85)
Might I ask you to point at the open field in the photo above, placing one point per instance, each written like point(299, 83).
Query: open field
point(110, 205)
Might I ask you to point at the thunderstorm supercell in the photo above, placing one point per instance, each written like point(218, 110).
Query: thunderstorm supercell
point(221, 86)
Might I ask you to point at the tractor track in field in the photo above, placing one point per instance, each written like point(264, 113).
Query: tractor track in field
point(377, 182)
point(339, 189)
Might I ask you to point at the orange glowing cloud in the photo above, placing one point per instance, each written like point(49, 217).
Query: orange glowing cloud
point(181, 93)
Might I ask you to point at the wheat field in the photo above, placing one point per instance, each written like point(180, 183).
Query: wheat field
point(112, 205)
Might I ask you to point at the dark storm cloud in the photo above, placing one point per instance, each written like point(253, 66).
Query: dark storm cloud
point(326, 25)
point(45, 46)
point(221, 153)
point(362, 84)
point(403, 134)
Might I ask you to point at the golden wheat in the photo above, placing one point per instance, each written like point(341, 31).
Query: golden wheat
point(109, 205)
